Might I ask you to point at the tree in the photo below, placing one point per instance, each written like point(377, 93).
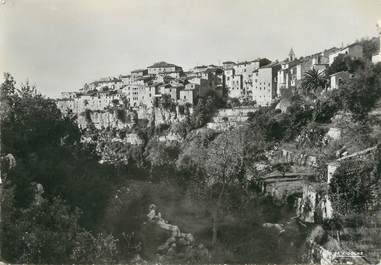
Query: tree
point(345, 63)
point(121, 115)
point(48, 151)
point(370, 47)
point(314, 81)
point(49, 231)
point(204, 110)
point(327, 106)
point(41, 233)
point(229, 156)
point(355, 186)
point(194, 151)
point(362, 92)
point(88, 248)
point(167, 102)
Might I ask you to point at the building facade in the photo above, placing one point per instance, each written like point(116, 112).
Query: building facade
point(265, 84)
point(354, 50)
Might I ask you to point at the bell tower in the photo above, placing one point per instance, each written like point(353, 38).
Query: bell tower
point(291, 55)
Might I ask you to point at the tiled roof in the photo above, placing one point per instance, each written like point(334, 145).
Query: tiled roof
point(201, 66)
point(270, 65)
point(248, 62)
point(124, 76)
point(340, 73)
point(352, 44)
point(161, 65)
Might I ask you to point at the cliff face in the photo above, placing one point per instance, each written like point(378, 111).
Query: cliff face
point(110, 117)
point(229, 118)
point(102, 119)
point(163, 116)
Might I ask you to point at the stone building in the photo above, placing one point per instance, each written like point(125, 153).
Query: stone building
point(265, 84)
point(338, 79)
point(292, 70)
point(287, 74)
point(138, 73)
point(163, 67)
point(239, 78)
point(228, 65)
point(189, 94)
point(236, 88)
point(354, 50)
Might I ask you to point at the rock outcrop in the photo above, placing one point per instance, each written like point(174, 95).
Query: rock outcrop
point(179, 246)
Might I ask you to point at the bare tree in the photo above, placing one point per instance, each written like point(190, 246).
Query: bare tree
point(226, 163)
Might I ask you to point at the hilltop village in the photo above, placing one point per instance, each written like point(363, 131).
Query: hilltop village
point(258, 161)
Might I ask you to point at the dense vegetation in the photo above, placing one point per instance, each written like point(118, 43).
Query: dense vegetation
point(57, 191)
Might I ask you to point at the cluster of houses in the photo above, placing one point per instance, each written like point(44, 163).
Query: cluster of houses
point(264, 83)
point(144, 88)
point(260, 81)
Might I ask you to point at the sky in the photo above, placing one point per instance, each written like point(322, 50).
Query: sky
point(58, 45)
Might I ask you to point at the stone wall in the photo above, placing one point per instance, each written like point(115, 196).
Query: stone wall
point(300, 159)
point(225, 119)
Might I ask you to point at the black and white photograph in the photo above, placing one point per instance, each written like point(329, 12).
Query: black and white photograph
point(190, 132)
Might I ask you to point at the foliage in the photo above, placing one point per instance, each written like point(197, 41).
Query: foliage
point(234, 102)
point(360, 95)
point(194, 151)
point(166, 102)
point(327, 106)
point(121, 115)
point(272, 126)
point(267, 125)
point(314, 81)
point(228, 158)
point(49, 231)
point(159, 154)
point(115, 102)
point(87, 114)
point(370, 47)
point(345, 63)
point(94, 249)
point(182, 128)
point(48, 151)
point(355, 186)
point(311, 136)
point(204, 110)
point(40, 233)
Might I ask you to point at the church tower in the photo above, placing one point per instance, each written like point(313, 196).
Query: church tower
point(291, 55)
